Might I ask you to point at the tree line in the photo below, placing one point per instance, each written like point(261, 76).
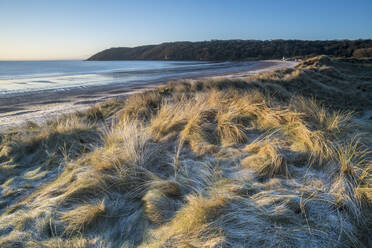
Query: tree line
point(224, 50)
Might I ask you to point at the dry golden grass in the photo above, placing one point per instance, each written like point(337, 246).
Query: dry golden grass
point(83, 217)
point(330, 122)
point(264, 161)
point(267, 159)
point(142, 105)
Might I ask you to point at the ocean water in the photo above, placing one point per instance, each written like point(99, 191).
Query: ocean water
point(28, 76)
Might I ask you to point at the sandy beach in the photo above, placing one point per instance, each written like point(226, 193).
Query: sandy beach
point(41, 106)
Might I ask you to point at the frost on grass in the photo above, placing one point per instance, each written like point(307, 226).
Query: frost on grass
point(273, 160)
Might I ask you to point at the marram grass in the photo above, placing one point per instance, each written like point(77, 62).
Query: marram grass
point(280, 159)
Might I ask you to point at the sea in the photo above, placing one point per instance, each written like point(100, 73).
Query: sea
point(29, 76)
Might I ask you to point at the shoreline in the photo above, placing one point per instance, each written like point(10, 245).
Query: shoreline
point(41, 106)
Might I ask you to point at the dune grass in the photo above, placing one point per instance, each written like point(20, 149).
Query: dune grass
point(274, 160)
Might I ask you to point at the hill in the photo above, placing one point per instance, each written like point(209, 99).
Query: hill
point(280, 159)
point(223, 50)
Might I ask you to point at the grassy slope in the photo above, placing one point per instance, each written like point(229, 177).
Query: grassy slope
point(254, 162)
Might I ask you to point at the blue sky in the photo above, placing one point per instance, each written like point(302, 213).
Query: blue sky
point(73, 29)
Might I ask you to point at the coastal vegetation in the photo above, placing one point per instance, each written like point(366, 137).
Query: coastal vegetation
point(223, 50)
point(278, 159)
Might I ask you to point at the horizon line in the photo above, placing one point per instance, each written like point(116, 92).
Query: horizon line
point(164, 42)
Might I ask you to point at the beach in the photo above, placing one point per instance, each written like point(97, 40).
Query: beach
point(40, 106)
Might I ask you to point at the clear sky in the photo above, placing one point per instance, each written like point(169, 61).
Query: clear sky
point(76, 29)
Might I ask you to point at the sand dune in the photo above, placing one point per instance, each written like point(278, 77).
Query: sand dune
point(278, 159)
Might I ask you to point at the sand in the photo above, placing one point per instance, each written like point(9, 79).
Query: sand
point(41, 106)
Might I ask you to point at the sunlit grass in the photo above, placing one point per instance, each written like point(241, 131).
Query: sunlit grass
point(252, 162)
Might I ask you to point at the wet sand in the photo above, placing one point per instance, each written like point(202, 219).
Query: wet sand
point(45, 105)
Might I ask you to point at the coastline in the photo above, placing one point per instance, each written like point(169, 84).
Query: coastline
point(38, 107)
